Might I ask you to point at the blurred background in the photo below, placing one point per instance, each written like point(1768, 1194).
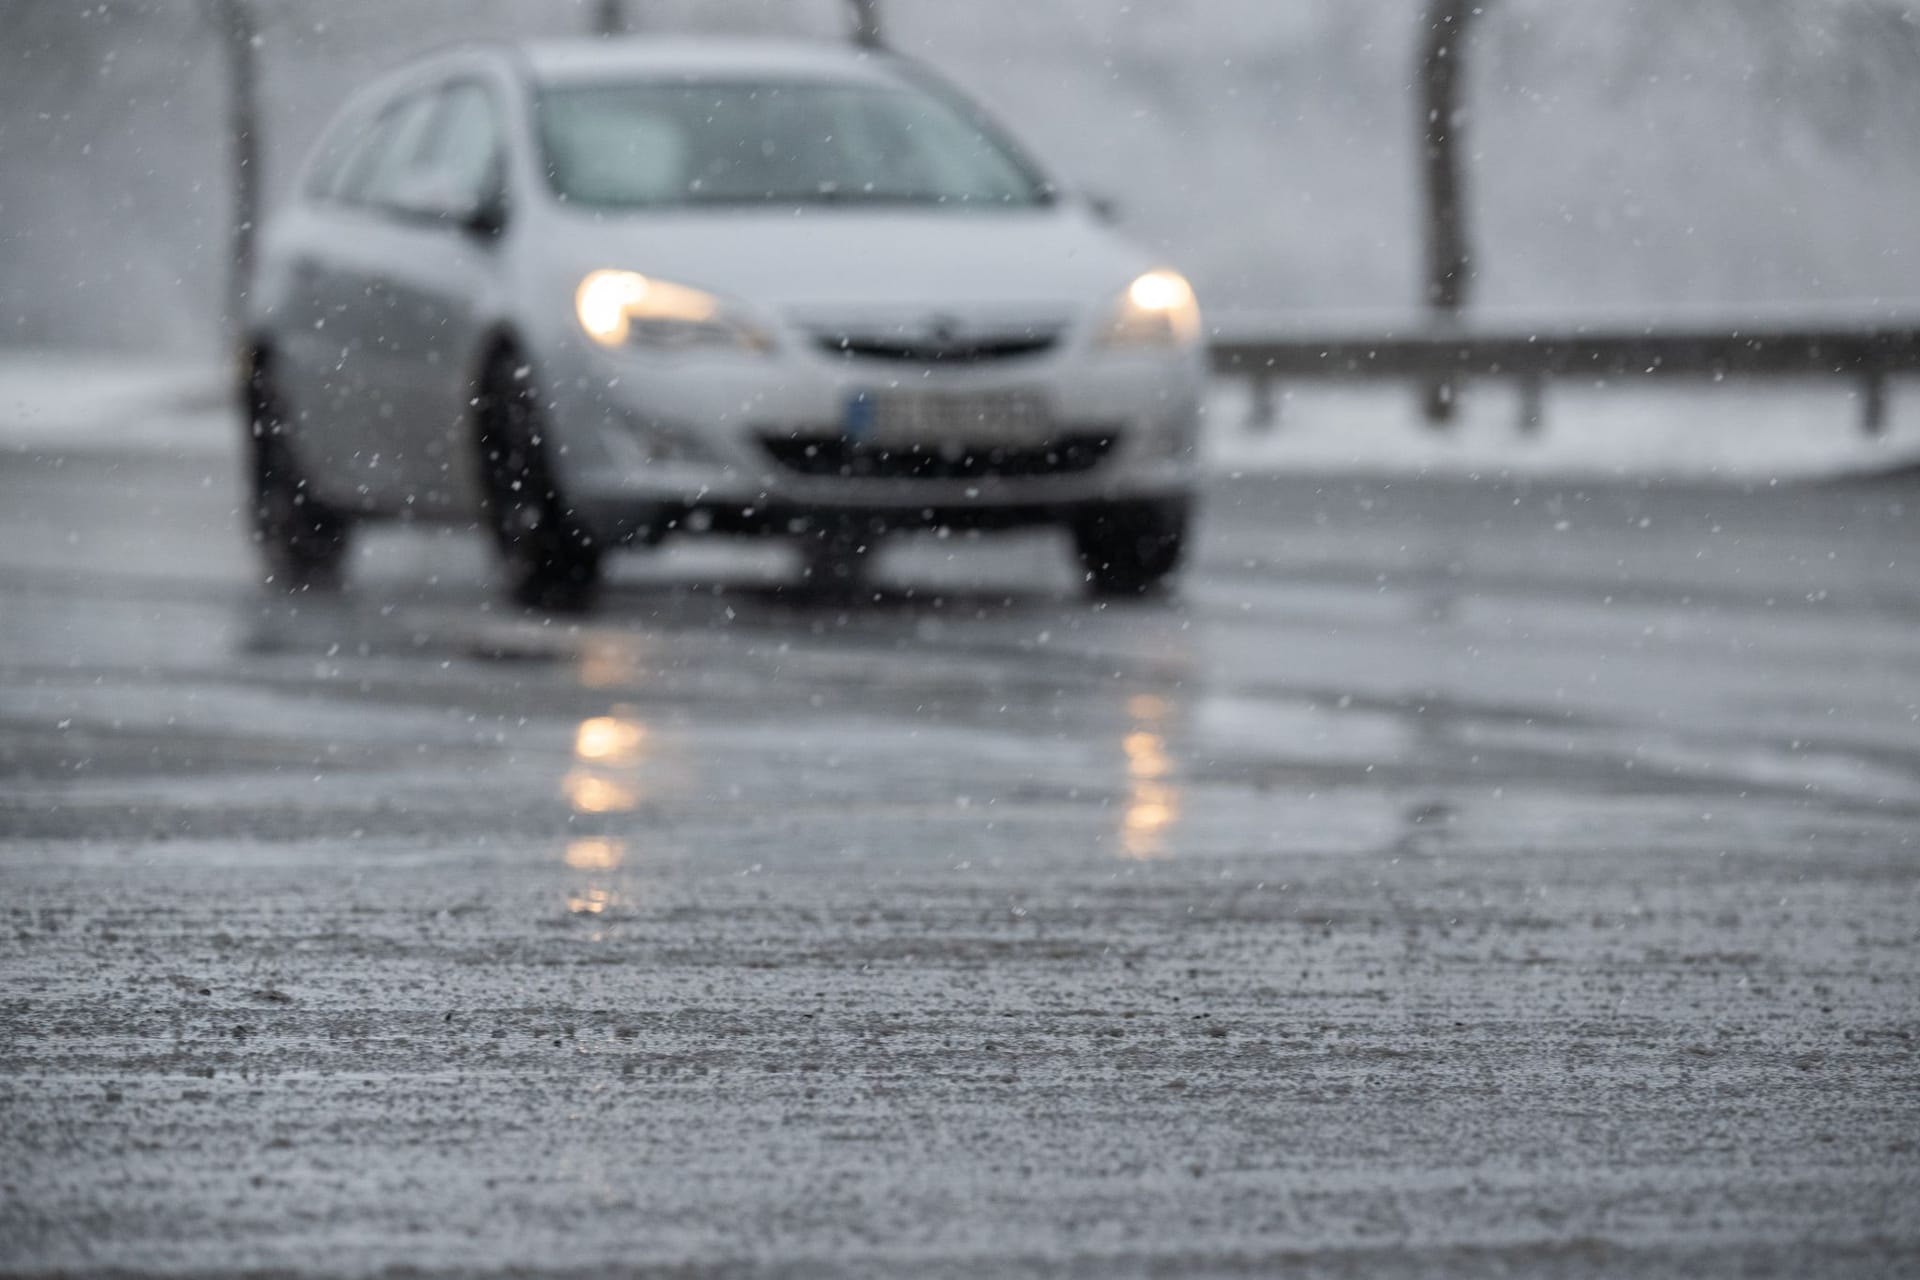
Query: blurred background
point(1496, 856)
point(1622, 157)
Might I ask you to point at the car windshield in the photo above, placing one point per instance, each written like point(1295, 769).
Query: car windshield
point(650, 145)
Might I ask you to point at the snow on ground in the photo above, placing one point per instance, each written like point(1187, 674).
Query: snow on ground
point(68, 401)
point(64, 401)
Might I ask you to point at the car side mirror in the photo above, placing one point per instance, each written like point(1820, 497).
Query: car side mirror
point(480, 213)
point(1103, 206)
point(485, 215)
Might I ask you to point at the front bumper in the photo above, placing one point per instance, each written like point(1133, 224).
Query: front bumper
point(743, 443)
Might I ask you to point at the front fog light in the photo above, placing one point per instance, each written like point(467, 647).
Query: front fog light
point(634, 443)
point(675, 446)
point(1166, 442)
point(1170, 446)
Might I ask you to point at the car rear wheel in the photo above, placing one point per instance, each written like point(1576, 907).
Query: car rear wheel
point(1129, 548)
point(550, 559)
point(302, 539)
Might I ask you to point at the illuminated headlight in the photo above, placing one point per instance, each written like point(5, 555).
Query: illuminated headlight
point(625, 308)
point(1157, 310)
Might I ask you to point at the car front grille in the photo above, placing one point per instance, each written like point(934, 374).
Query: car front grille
point(929, 350)
point(842, 458)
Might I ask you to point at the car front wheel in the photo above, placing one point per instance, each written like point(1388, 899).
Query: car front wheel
point(1129, 548)
point(550, 559)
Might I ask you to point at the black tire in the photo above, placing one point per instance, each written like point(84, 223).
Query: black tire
point(1129, 548)
point(550, 559)
point(303, 540)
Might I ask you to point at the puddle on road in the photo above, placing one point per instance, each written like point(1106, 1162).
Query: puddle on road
point(1737, 764)
point(598, 889)
point(1243, 725)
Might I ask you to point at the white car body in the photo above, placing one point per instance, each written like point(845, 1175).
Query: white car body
point(973, 341)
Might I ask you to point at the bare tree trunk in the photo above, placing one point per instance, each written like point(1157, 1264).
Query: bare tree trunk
point(610, 18)
point(234, 24)
point(866, 24)
point(1449, 257)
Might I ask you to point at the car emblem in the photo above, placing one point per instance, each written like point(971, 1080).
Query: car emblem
point(942, 330)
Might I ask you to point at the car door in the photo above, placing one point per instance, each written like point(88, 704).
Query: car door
point(352, 354)
point(449, 211)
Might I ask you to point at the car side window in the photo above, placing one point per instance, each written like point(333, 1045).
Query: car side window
point(375, 172)
point(461, 157)
point(339, 147)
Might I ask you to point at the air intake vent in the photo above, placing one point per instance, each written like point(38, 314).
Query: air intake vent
point(835, 456)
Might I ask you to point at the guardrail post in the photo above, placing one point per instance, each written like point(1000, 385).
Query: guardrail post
point(1263, 408)
point(1533, 403)
point(609, 18)
point(1873, 403)
point(866, 24)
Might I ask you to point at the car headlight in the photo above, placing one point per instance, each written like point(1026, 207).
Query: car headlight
point(1157, 310)
point(622, 308)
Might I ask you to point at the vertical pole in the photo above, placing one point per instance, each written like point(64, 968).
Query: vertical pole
point(233, 20)
point(1263, 406)
point(1533, 403)
point(1448, 256)
point(1873, 403)
point(609, 18)
point(866, 24)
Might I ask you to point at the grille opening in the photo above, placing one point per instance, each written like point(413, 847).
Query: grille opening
point(824, 455)
point(960, 350)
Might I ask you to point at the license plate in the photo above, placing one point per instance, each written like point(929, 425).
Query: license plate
point(940, 417)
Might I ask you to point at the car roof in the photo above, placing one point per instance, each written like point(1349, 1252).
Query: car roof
point(650, 57)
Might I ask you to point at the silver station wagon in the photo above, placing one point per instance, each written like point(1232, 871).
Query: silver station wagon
point(595, 294)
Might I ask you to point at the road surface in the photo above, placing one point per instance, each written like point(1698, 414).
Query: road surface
point(1453, 878)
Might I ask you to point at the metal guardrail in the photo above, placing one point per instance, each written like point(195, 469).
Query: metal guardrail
point(1869, 352)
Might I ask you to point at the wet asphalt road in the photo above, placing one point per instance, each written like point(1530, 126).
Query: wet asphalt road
point(1452, 878)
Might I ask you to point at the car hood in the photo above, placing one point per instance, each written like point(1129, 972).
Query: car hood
point(832, 262)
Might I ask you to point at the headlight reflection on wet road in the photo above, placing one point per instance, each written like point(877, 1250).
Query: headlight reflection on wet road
point(1153, 799)
point(609, 754)
point(595, 853)
point(615, 739)
point(607, 776)
point(591, 792)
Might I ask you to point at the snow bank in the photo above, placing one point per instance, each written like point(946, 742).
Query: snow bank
point(68, 401)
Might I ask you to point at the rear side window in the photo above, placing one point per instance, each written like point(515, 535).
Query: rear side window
point(389, 153)
point(338, 145)
point(462, 154)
